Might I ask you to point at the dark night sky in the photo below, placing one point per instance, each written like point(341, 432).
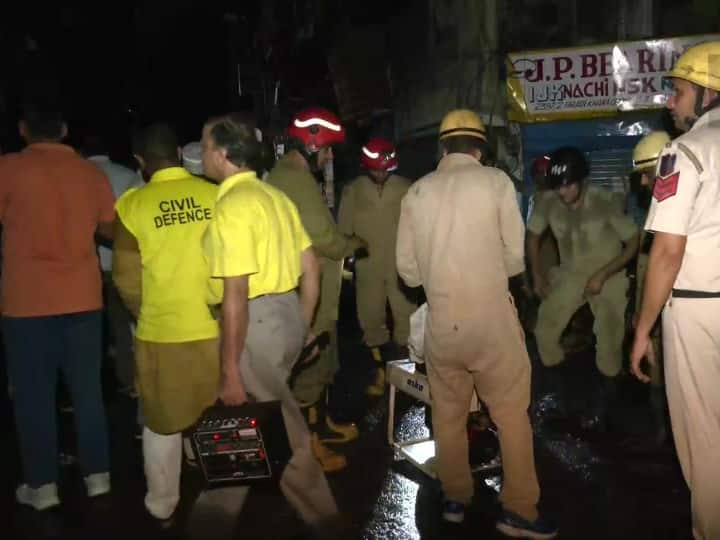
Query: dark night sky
point(122, 62)
point(165, 60)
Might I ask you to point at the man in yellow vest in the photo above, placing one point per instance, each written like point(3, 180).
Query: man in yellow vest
point(312, 134)
point(161, 274)
point(257, 245)
point(370, 208)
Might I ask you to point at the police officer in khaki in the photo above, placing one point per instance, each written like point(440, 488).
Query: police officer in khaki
point(460, 236)
point(161, 274)
point(596, 240)
point(370, 208)
point(548, 246)
point(645, 158)
point(683, 279)
point(312, 134)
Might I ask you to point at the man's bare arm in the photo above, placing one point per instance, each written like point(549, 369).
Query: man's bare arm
point(234, 327)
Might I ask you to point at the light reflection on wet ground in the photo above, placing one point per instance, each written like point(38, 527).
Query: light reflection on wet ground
point(394, 514)
point(576, 454)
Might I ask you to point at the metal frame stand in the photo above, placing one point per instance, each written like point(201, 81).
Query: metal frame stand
point(402, 376)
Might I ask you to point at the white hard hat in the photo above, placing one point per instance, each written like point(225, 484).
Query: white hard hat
point(192, 158)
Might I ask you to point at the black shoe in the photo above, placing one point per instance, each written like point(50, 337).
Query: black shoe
point(515, 526)
point(162, 527)
point(453, 511)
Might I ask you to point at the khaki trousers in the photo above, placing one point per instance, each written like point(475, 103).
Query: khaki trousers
point(691, 340)
point(374, 288)
point(310, 384)
point(608, 307)
point(490, 356)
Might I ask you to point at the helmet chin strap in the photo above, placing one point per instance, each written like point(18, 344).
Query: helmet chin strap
point(714, 103)
point(310, 157)
point(699, 108)
point(699, 97)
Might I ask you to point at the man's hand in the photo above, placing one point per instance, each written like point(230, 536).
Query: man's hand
point(642, 348)
point(232, 391)
point(541, 286)
point(595, 283)
point(315, 351)
point(358, 243)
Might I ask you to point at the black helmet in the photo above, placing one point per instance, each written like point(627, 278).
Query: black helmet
point(567, 166)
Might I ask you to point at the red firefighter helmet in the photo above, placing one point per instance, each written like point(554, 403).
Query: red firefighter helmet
point(540, 165)
point(379, 154)
point(315, 128)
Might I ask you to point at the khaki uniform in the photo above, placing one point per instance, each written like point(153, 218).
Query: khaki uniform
point(373, 215)
point(549, 257)
point(686, 202)
point(588, 238)
point(332, 247)
point(461, 236)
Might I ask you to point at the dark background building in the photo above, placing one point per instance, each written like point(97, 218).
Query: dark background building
point(385, 66)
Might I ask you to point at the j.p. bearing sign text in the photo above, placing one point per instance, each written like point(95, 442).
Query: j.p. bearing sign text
point(592, 81)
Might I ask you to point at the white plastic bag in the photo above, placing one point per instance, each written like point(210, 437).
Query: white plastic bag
point(416, 341)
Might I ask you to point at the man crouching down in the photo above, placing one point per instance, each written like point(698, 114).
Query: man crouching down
point(257, 245)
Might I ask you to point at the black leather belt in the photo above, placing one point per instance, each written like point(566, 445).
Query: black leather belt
point(684, 293)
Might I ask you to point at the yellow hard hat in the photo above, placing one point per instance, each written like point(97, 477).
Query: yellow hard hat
point(647, 150)
point(462, 122)
point(700, 65)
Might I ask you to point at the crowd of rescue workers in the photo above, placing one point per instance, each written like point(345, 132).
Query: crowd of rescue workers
point(217, 273)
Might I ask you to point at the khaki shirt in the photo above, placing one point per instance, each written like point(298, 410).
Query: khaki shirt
point(330, 244)
point(589, 237)
point(373, 215)
point(686, 202)
point(461, 236)
point(304, 191)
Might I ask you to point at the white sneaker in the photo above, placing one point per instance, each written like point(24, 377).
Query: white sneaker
point(42, 498)
point(97, 484)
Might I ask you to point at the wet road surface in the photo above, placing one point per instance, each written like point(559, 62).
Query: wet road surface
point(594, 486)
